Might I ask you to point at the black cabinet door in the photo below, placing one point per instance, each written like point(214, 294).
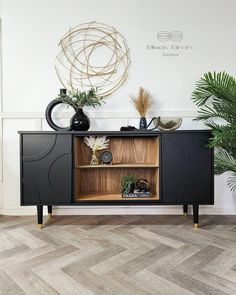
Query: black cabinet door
point(186, 168)
point(46, 169)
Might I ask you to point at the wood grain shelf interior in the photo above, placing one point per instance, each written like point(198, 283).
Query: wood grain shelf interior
point(125, 150)
point(137, 156)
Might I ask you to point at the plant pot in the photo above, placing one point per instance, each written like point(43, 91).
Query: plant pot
point(143, 123)
point(128, 187)
point(79, 121)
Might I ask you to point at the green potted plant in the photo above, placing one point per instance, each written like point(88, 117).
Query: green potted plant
point(128, 184)
point(215, 94)
point(77, 100)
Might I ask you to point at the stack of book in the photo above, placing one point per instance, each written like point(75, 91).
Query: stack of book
point(137, 194)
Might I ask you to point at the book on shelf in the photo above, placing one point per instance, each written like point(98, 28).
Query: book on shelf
point(137, 194)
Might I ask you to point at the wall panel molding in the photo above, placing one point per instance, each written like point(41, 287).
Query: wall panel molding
point(104, 114)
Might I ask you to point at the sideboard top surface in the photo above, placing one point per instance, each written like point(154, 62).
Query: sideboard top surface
point(115, 133)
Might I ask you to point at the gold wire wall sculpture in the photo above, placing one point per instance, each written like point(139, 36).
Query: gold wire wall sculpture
point(93, 55)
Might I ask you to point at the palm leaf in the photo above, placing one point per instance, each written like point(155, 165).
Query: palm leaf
point(223, 136)
point(232, 182)
point(224, 161)
point(219, 86)
point(208, 112)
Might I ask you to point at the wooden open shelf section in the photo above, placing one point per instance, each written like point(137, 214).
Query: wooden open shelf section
point(100, 181)
point(137, 156)
point(125, 150)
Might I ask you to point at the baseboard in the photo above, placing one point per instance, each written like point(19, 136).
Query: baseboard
point(20, 211)
point(109, 210)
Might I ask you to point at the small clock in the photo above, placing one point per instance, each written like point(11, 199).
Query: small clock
point(106, 157)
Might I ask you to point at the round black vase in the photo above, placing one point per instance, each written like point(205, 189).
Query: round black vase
point(143, 123)
point(79, 122)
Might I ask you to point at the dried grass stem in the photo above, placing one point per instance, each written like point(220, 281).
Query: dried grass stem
point(142, 102)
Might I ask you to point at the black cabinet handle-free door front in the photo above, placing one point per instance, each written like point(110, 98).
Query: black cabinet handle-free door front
point(187, 175)
point(46, 169)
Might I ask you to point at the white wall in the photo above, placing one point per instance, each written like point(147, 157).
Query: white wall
point(31, 30)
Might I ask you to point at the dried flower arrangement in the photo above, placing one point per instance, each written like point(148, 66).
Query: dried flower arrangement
point(142, 102)
point(96, 143)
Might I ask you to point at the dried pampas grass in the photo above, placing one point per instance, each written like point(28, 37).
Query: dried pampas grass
point(96, 143)
point(142, 102)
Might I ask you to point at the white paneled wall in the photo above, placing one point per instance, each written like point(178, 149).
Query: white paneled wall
point(30, 33)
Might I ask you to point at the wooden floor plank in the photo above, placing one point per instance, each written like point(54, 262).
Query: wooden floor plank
point(8, 286)
point(112, 255)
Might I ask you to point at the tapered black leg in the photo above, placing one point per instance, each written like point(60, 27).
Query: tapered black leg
point(185, 209)
point(195, 215)
point(40, 215)
point(49, 211)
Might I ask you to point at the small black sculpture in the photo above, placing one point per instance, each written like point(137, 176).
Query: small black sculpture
point(48, 113)
point(154, 120)
point(128, 128)
point(143, 185)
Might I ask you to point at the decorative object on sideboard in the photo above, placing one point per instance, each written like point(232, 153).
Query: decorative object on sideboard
point(48, 113)
point(128, 128)
point(131, 187)
point(106, 157)
point(215, 95)
point(79, 99)
point(128, 184)
point(137, 194)
point(80, 121)
point(93, 54)
point(96, 143)
point(154, 120)
point(142, 103)
point(142, 185)
point(169, 123)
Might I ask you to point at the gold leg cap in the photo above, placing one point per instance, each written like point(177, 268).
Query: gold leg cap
point(49, 215)
point(196, 225)
point(40, 226)
point(185, 214)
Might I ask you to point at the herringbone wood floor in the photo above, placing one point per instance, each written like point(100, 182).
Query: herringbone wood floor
point(118, 255)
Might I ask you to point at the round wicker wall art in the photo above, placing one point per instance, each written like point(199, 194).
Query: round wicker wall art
point(93, 55)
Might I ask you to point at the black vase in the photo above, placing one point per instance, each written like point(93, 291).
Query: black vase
point(143, 123)
point(79, 122)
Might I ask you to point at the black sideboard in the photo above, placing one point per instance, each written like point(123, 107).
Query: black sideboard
point(55, 170)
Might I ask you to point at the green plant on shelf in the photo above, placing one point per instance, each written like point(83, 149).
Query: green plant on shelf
point(128, 183)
